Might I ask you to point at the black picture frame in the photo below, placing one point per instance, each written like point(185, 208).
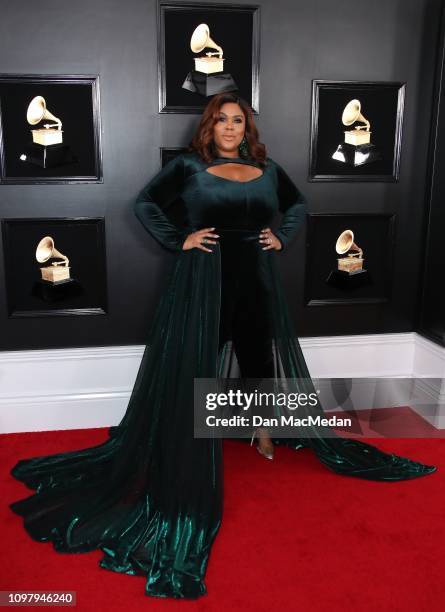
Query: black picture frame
point(374, 233)
point(169, 153)
point(176, 22)
point(75, 100)
point(82, 240)
point(382, 103)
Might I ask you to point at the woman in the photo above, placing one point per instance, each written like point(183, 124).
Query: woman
point(150, 497)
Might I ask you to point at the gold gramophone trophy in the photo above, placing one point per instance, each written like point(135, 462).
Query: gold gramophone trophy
point(47, 148)
point(55, 282)
point(208, 78)
point(58, 270)
point(357, 148)
point(349, 273)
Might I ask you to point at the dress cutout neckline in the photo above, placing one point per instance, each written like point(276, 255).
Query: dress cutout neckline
point(218, 161)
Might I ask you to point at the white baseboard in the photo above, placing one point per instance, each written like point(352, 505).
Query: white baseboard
point(77, 388)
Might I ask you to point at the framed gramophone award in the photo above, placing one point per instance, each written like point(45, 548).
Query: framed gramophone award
point(349, 258)
point(55, 266)
point(50, 129)
point(205, 49)
point(356, 130)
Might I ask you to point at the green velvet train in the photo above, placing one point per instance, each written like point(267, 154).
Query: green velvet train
point(151, 496)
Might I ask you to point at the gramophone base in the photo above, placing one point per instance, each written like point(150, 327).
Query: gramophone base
point(209, 84)
point(49, 156)
point(57, 291)
point(356, 155)
point(349, 280)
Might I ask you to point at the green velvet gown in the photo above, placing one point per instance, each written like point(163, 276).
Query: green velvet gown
point(151, 496)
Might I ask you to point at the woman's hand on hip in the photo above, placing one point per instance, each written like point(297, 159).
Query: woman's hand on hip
point(268, 238)
point(198, 239)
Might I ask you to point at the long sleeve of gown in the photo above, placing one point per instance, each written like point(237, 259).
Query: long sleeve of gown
point(293, 206)
point(155, 198)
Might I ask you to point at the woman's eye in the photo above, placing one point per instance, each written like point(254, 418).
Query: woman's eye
point(220, 118)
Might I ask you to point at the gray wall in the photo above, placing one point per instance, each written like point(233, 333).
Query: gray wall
point(300, 41)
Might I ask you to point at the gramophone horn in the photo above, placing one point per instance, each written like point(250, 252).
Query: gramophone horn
point(351, 113)
point(201, 39)
point(46, 249)
point(37, 111)
point(345, 242)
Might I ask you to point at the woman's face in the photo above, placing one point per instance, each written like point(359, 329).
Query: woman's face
point(229, 128)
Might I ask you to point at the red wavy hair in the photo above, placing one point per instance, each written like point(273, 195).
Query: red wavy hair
point(202, 141)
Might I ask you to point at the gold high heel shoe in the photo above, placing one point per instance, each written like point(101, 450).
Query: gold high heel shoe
point(259, 449)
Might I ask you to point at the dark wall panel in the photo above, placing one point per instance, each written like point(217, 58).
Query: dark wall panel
point(346, 40)
point(432, 294)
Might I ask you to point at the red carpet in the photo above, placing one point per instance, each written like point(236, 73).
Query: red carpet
point(294, 536)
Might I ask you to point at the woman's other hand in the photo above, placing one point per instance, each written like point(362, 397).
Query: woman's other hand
point(198, 239)
point(268, 238)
